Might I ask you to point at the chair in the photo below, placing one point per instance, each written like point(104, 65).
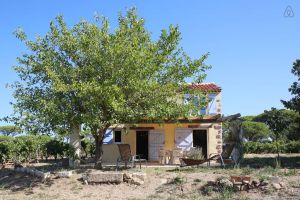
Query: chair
point(224, 157)
point(127, 158)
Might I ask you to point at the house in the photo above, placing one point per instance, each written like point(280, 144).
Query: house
point(148, 138)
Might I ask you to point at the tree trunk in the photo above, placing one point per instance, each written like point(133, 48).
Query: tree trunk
point(75, 142)
point(278, 156)
point(99, 150)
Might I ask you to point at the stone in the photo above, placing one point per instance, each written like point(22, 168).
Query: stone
point(225, 182)
point(282, 184)
point(39, 173)
point(263, 183)
point(276, 186)
point(64, 174)
point(255, 182)
point(163, 181)
point(104, 177)
point(46, 176)
point(31, 172)
point(136, 178)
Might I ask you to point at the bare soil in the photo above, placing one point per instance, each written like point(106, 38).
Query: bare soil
point(161, 183)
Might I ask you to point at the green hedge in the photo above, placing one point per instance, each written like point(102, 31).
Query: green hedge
point(284, 147)
point(25, 148)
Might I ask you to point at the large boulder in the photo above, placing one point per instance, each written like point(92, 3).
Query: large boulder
point(103, 177)
point(64, 174)
point(136, 178)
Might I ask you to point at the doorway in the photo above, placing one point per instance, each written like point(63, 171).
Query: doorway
point(200, 140)
point(142, 144)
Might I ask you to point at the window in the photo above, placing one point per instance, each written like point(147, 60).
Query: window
point(118, 136)
point(198, 101)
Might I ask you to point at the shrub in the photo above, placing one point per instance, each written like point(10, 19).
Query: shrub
point(285, 147)
point(195, 153)
point(55, 148)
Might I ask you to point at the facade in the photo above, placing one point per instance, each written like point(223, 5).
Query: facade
point(148, 138)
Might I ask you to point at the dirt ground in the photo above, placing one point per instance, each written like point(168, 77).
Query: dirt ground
point(161, 183)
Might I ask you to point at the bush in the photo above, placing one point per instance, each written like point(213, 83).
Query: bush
point(284, 147)
point(195, 153)
point(26, 148)
point(55, 148)
point(6, 146)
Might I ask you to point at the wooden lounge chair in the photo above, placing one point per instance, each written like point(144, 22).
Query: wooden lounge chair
point(127, 158)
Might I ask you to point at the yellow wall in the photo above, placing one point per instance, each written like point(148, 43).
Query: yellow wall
point(169, 130)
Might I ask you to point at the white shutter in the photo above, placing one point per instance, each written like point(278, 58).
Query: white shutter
point(156, 142)
point(184, 138)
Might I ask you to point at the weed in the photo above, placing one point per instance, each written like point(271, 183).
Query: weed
point(226, 193)
point(178, 180)
point(288, 172)
point(197, 180)
point(247, 171)
point(207, 190)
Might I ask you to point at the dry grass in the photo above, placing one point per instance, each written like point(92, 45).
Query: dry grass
point(162, 183)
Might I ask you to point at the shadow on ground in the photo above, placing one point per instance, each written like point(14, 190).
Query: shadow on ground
point(18, 181)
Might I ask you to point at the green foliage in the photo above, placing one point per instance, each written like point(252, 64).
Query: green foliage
point(294, 103)
point(195, 153)
point(88, 147)
point(10, 130)
point(277, 122)
point(179, 180)
point(255, 131)
point(6, 147)
point(25, 148)
point(56, 148)
point(90, 75)
point(285, 147)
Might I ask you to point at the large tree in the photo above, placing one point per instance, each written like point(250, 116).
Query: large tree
point(10, 130)
point(91, 75)
point(255, 131)
point(277, 121)
point(294, 103)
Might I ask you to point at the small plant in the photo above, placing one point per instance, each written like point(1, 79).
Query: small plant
point(226, 193)
point(195, 153)
point(247, 171)
point(207, 190)
point(197, 180)
point(178, 180)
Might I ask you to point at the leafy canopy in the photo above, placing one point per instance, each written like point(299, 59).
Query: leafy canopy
point(89, 74)
point(294, 103)
point(10, 130)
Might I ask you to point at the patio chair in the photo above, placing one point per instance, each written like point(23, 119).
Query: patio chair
point(224, 157)
point(127, 158)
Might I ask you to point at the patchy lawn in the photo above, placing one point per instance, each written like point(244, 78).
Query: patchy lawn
point(162, 183)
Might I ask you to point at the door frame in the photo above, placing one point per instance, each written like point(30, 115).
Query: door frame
point(207, 139)
point(145, 130)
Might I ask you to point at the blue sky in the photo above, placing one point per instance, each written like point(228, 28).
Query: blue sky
point(252, 45)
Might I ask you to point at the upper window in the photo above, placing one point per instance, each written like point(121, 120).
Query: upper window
point(118, 136)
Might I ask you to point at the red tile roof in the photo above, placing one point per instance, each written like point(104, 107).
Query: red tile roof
point(206, 87)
